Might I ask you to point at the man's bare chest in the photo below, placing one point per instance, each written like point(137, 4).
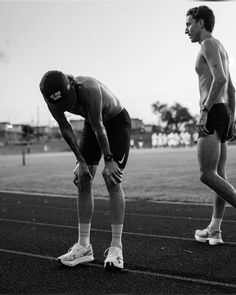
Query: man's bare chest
point(201, 66)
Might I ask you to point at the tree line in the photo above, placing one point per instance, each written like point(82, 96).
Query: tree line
point(174, 116)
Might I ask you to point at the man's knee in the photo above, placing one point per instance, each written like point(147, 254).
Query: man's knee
point(85, 181)
point(206, 176)
point(222, 174)
point(113, 189)
point(106, 176)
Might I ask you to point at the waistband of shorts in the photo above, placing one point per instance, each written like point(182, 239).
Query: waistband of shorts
point(121, 115)
point(217, 106)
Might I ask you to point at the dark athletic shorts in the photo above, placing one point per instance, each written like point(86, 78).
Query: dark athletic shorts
point(221, 120)
point(118, 131)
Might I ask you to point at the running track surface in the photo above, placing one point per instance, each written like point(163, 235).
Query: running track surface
point(161, 256)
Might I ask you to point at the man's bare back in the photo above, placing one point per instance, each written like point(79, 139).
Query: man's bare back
point(87, 90)
point(106, 131)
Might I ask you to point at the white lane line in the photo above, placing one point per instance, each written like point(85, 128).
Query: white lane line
point(100, 230)
point(185, 279)
point(92, 229)
point(28, 254)
point(133, 271)
point(51, 195)
point(107, 212)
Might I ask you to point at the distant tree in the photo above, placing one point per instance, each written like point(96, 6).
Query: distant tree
point(174, 116)
point(28, 131)
point(3, 57)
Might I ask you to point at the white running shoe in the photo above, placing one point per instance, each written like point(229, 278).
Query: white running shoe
point(114, 258)
point(77, 255)
point(212, 237)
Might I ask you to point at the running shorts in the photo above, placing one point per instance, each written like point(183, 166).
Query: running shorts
point(221, 120)
point(118, 131)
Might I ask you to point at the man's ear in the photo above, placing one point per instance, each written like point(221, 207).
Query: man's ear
point(201, 23)
point(71, 80)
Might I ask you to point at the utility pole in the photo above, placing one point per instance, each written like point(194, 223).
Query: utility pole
point(37, 123)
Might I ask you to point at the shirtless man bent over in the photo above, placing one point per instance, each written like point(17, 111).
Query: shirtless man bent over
point(106, 132)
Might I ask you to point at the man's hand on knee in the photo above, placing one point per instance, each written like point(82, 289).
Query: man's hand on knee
point(112, 173)
point(82, 175)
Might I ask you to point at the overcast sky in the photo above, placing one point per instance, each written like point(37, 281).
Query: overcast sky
point(137, 48)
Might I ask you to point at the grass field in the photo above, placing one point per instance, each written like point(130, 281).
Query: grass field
point(163, 174)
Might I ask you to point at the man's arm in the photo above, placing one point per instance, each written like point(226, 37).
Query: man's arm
point(231, 95)
point(67, 132)
point(94, 105)
point(212, 55)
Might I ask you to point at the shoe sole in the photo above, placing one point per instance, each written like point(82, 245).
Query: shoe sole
point(212, 242)
point(75, 262)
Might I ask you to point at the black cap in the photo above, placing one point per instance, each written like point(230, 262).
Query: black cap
point(54, 86)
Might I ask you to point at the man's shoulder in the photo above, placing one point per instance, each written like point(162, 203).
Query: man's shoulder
point(87, 83)
point(210, 46)
point(86, 80)
point(211, 43)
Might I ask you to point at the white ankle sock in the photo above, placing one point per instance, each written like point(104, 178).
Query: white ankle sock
point(215, 224)
point(84, 234)
point(116, 235)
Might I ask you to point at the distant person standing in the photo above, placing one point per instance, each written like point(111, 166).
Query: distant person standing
point(215, 125)
point(106, 131)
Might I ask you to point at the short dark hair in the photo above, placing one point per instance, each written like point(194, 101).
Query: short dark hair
point(205, 13)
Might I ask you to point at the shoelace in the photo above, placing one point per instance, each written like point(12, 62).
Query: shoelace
point(213, 232)
point(112, 252)
point(75, 245)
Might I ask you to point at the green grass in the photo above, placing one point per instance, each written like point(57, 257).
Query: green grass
point(163, 174)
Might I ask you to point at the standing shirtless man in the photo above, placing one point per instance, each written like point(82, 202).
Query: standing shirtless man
point(106, 131)
point(215, 125)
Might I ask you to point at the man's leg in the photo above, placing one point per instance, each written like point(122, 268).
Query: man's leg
point(117, 211)
point(212, 233)
point(219, 203)
point(114, 259)
point(85, 209)
point(209, 157)
point(82, 251)
point(212, 159)
point(118, 131)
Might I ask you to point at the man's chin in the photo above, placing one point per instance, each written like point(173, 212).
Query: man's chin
point(192, 39)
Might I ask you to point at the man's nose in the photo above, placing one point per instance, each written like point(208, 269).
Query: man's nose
point(186, 31)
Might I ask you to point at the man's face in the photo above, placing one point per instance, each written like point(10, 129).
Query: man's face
point(69, 99)
point(193, 29)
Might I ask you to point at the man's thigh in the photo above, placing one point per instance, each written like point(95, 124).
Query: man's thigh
point(222, 161)
point(209, 152)
point(119, 140)
point(89, 146)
